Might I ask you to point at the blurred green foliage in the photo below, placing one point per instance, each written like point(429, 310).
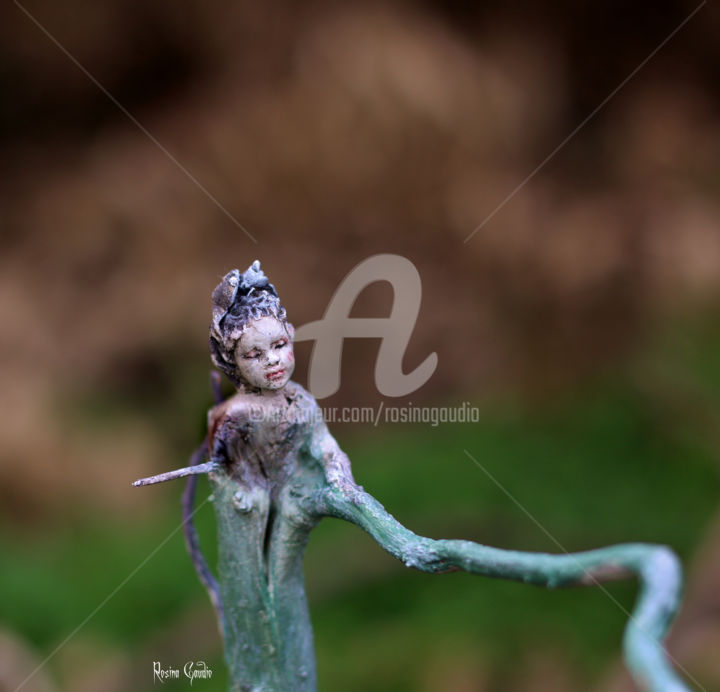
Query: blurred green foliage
point(607, 463)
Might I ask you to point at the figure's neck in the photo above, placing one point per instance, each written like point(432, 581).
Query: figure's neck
point(268, 395)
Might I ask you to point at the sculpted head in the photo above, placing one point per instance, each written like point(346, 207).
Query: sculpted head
point(250, 337)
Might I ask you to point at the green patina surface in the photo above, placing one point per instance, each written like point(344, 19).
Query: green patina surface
point(277, 481)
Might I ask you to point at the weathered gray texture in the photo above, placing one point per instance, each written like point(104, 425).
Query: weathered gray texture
point(277, 480)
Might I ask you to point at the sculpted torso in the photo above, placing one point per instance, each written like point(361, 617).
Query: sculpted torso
point(266, 442)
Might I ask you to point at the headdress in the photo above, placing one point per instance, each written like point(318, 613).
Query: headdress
point(237, 299)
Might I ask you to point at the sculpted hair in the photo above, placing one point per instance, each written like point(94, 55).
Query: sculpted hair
point(238, 299)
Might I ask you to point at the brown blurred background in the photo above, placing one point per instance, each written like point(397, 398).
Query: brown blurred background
point(332, 132)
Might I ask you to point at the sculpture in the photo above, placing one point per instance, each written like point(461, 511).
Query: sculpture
point(276, 471)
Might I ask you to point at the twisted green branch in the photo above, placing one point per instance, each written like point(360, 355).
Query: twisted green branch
point(656, 566)
point(271, 486)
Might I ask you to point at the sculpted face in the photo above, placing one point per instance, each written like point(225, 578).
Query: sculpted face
point(264, 353)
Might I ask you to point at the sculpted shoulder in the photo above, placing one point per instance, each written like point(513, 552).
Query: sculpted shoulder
point(242, 404)
point(306, 406)
point(299, 392)
point(237, 406)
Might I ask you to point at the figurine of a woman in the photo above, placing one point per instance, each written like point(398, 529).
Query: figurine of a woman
point(276, 471)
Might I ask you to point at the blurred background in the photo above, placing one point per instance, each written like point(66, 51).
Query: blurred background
point(581, 317)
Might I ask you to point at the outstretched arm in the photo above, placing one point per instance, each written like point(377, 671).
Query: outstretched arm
point(656, 566)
